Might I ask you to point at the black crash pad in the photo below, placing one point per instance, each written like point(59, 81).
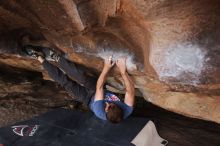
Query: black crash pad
point(71, 128)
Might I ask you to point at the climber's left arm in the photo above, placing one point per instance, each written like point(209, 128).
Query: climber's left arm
point(102, 78)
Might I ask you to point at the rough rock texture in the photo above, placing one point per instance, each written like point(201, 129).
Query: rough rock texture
point(172, 46)
point(23, 94)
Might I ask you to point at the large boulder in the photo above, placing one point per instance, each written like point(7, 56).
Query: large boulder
point(172, 47)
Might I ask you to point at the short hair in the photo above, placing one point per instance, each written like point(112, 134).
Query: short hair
point(114, 114)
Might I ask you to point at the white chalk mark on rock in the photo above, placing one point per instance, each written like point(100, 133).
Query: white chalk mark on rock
point(116, 55)
point(181, 59)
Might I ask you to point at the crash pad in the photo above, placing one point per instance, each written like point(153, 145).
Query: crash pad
point(64, 127)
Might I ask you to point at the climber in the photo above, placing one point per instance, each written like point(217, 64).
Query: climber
point(104, 104)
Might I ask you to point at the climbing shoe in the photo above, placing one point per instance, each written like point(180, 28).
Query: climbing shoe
point(51, 55)
point(32, 52)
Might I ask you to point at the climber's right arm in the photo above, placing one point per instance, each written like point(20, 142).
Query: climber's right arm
point(129, 85)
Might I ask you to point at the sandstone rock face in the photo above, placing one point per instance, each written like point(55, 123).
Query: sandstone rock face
point(172, 47)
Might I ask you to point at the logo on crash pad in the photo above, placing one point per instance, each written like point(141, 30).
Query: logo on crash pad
point(25, 130)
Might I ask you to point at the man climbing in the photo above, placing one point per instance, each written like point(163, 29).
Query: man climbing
point(107, 106)
point(104, 104)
